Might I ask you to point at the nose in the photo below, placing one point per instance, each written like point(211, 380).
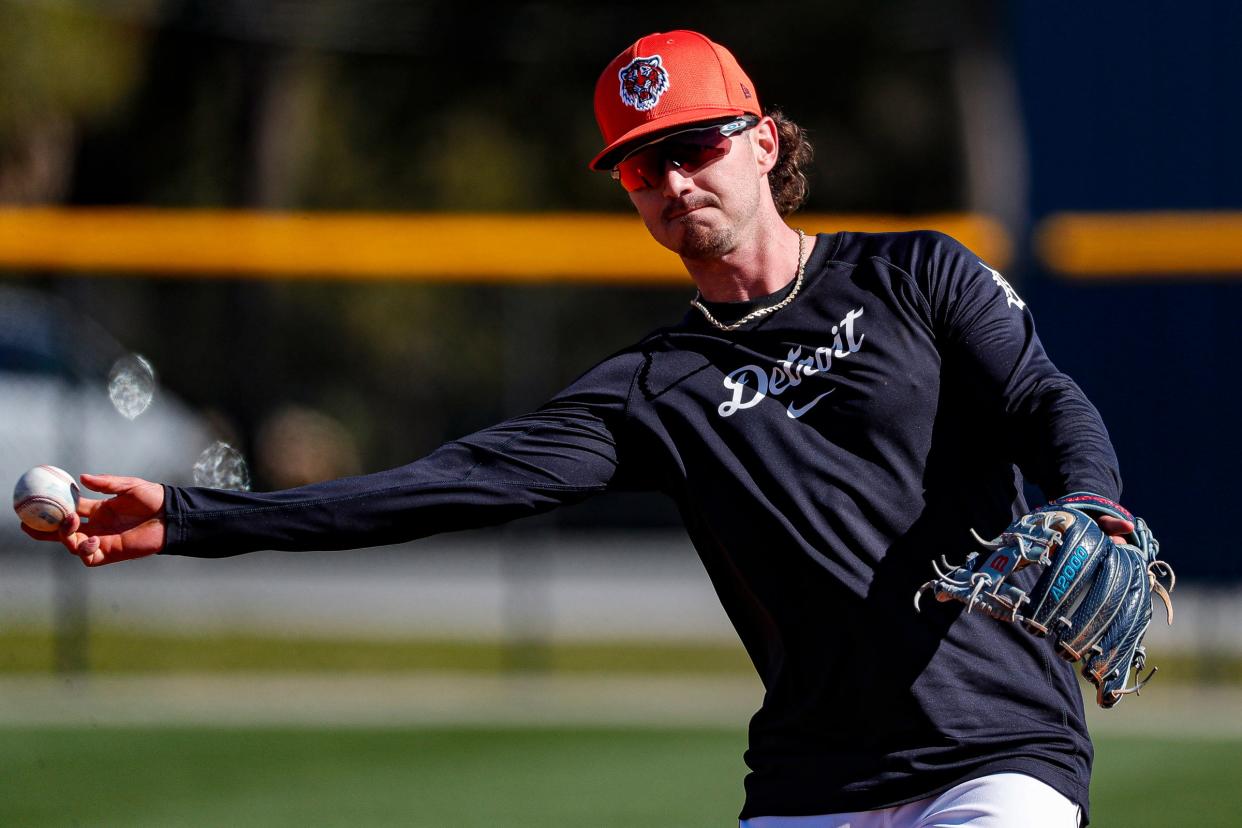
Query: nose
point(676, 181)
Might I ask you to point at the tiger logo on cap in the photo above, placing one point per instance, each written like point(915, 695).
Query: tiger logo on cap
point(643, 81)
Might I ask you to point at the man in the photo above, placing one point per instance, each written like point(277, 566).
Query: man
point(832, 413)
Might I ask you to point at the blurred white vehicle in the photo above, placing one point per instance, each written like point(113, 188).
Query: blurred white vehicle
point(55, 408)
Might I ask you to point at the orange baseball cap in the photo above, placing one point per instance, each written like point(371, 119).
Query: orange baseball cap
point(666, 80)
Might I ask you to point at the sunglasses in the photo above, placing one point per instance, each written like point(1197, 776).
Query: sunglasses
point(687, 150)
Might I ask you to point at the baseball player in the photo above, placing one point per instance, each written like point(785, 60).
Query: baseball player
point(832, 412)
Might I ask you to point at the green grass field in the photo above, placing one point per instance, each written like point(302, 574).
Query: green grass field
point(111, 650)
point(1186, 768)
point(465, 777)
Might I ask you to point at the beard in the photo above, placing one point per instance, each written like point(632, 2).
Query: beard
point(699, 237)
point(701, 240)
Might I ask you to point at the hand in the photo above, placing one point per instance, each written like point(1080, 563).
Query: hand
point(1115, 527)
point(121, 528)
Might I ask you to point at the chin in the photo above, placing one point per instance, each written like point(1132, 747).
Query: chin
point(701, 239)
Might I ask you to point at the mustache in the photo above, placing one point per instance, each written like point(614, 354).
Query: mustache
point(684, 205)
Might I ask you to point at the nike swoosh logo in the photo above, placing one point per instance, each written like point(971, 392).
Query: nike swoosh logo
point(795, 411)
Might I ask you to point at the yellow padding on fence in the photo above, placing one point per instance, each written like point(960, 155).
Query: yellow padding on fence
point(608, 248)
point(1126, 245)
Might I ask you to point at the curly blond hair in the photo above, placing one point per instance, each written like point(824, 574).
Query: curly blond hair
point(788, 178)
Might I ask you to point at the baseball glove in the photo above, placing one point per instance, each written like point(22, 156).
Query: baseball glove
point(1093, 597)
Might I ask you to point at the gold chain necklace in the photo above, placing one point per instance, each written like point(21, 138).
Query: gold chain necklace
point(755, 314)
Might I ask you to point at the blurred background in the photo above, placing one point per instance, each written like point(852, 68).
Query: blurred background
point(269, 242)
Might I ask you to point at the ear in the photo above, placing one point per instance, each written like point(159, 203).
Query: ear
point(766, 144)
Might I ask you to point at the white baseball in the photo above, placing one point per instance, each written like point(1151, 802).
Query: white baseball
point(44, 497)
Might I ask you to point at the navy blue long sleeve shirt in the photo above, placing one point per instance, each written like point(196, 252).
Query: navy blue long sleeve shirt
point(820, 457)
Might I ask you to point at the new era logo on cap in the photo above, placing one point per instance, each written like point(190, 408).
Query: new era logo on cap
point(664, 81)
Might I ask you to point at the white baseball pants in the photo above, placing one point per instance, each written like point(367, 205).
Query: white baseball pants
point(1000, 800)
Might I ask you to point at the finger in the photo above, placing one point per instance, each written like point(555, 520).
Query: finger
point(91, 552)
point(81, 544)
point(98, 551)
point(1115, 526)
point(88, 505)
point(70, 524)
point(1112, 523)
point(110, 483)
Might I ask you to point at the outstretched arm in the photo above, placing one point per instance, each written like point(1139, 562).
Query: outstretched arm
point(568, 450)
point(521, 467)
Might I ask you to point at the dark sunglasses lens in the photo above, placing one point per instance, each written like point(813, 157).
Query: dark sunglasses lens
point(635, 175)
point(688, 151)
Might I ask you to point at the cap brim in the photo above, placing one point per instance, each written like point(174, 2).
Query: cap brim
point(652, 130)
